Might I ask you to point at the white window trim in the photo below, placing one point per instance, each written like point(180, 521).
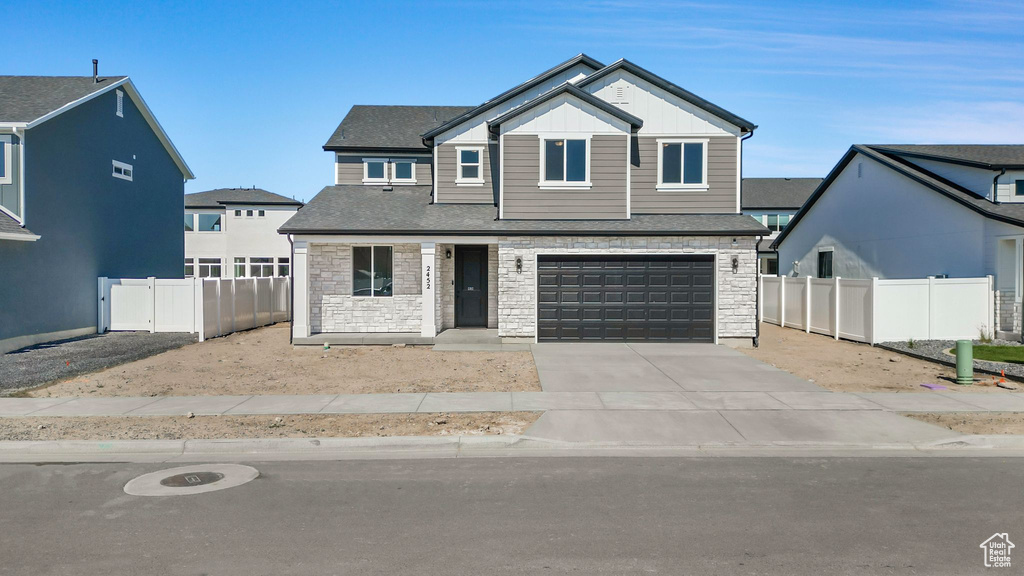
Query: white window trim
point(120, 103)
point(459, 180)
point(8, 176)
point(195, 222)
point(352, 258)
point(366, 169)
point(198, 270)
point(563, 184)
point(122, 166)
point(394, 170)
point(193, 230)
point(704, 171)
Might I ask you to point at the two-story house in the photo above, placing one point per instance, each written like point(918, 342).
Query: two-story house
point(913, 211)
point(232, 233)
point(588, 203)
point(772, 202)
point(90, 186)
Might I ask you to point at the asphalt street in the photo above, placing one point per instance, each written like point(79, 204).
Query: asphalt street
point(886, 515)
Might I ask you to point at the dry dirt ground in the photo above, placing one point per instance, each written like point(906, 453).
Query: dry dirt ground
point(975, 422)
point(262, 361)
point(844, 366)
point(290, 426)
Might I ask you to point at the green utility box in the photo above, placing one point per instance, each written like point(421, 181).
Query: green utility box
point(964, 362)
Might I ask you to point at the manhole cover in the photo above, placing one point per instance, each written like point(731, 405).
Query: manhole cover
point(195, 479)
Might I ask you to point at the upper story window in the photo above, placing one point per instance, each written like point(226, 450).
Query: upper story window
point(261, 213)
point(1018, 189)
point(238, 213)
point(774, 222)
point(403, 171)
point(120, 103)
point(6, 159)
point(470, 165)
point(209, 223)
point(375, 171)
point(682, 164)
point(190, 222)
point(565, 163)
point(123, 171)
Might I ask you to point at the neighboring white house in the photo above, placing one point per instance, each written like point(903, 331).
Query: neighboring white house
point(903, 211)
point(773, 202)
point(232, 233)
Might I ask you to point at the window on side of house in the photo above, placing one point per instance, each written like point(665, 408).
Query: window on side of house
point(403, 172)
point(209, 267)
point(239, 267)
point(375, 171)
point(261, 213)
point(261, 267)
point(209, 223)
point(6, 160)
point(190, 222)
point(238, 213)
point(283, 266)
point(190, 270)
point(372, 271)
point(1018, 188)
point(565, 163)
point(682, 164)
point(824, 264)
point(470, 166)
point(123, 171)
point(248, 213)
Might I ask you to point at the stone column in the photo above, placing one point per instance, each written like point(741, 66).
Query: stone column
point(429, 281)
point(300, 290)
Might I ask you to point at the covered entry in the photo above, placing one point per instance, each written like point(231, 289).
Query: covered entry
point(626, 297)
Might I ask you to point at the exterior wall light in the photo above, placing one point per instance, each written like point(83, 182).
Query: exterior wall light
point(735, 264)
point(519, 265)
point(448, 254)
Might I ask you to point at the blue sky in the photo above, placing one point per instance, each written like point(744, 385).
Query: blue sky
point(249, 92)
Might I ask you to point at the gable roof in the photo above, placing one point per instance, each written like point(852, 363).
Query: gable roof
point(513, 92)
point(1010, 213)
point(991, 156)
point(671, 88)
point(572, 90)
point(11, 230)
point(396, 128)
point(222, 196)
point(27, 101)
point(356, 209)
point(777, 193)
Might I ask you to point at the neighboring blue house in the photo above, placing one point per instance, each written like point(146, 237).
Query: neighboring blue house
point(90, 185)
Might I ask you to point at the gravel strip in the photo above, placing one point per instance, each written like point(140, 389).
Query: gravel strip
point(935, 350)
point(62, 359)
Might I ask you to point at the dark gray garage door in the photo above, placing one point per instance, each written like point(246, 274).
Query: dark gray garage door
point(626, 298)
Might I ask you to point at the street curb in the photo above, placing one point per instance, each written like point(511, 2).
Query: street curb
point(414, 447)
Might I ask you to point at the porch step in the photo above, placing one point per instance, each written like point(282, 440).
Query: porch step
point(359, 338)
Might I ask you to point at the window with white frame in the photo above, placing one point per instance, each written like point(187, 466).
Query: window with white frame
point(120, 103)
point(239, 267)
point(261, 213)
point(261, 267)
point(372, 271)
point(824, 262)
point(470, 170)
point(565, 162)
point(682, 164)
point(375, 171)
point(774, 222)
point(283, 266)
point(122, 170)
point(238, 213)
point(6, 160)
point(190, 222)
point(403, 171)
point(190, 270)
point(209, 223)
point(209, 267)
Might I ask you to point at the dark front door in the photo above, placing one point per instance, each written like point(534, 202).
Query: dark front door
point(470, 286)
point(626, 298)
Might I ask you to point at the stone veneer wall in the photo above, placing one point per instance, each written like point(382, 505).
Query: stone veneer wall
point(334, 309)
point(1008, 316)
point(737, 292)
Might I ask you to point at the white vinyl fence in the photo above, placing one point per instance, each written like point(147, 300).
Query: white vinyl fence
point(208, 306)
point(877, 310)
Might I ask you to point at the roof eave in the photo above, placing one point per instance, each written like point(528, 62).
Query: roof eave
point(633, 121)
point(946, 159)
point(376, 149)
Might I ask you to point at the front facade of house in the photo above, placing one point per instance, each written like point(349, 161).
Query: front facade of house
point(232, 233)
point(772, 202)
point(913, 212)
point(90, 186)
point(590, 203)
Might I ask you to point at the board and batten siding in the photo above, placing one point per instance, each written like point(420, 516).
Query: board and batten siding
point(349, 168)
point(523, 198)
point(720, 197)
point(448, 192)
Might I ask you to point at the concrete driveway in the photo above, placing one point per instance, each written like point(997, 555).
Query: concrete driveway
point(616, 367)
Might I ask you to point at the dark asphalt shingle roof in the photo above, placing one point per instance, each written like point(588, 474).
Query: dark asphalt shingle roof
point(357, 209)
point(26, 98)
point(219, 197)
point(983, 155)
point(778, 193)
point(389, 127)
point(9, 225)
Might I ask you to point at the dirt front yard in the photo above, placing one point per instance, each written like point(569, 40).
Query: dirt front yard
point(975, 422)
point(262, 361)
point(289, 426)
point(845, 366)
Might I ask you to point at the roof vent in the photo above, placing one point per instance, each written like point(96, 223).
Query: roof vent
point(95, 71)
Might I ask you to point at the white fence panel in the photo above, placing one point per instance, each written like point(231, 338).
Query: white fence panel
point(961, 308)
point(245, 304)
point(823, 306)
point(264, 300)
point(770, 286)
point(901, 310)
point(226, 305)
point(855, 310)
point(131, 307)
point(795, 302)
point(175, 307)
point(211, 308)
point(281, 300)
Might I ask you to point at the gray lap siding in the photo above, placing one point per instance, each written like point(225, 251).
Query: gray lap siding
point(448, 192)
point(720, 197)
point(348, 168)
point(523, 198)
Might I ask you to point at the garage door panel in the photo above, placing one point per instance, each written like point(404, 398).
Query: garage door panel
point(649, 297)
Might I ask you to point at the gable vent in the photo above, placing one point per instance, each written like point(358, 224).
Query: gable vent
point(620, 94)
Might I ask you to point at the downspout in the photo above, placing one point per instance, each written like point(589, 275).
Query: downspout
point(995, 186)
point(757, 261)
point(291, 291)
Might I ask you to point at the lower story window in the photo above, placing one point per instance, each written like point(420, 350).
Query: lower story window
point(372, 271)
point(825, 264)
point(190, 269)
point(239, 267)
point(283, 266)
point(261, 267)
point(209, 267)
